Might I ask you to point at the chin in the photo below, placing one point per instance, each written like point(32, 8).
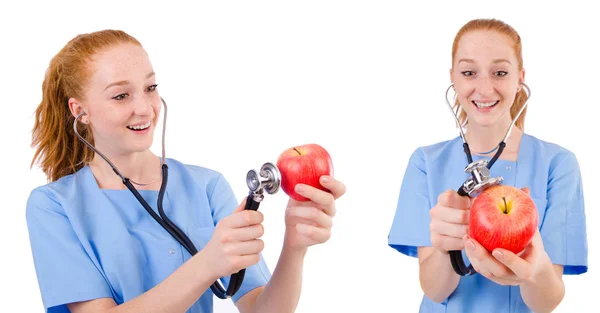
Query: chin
point(483, 121)
point(139, 146)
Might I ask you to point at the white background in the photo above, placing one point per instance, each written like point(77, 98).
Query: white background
point(365, 79)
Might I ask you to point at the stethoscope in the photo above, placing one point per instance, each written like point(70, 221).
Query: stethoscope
point(480, 178)
point(268, 179)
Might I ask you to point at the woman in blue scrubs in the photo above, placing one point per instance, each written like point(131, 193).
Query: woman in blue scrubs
point(432, 219)
point(96, 249)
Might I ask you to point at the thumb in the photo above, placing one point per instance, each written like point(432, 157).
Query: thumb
point(241, 207)
point(526, 190)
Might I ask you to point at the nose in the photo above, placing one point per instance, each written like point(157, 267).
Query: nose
point(143, 106)
point(485, 85)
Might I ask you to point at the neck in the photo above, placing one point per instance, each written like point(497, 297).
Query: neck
point(485, 138)
point(140, 167)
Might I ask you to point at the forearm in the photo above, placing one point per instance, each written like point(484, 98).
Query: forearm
point(437, 277)
point(545, 291)
point(177, 293)
point(282, 293)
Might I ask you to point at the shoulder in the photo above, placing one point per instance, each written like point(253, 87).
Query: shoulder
point(50, 195)
point(554, 154)
point(439, 151)
point(201, 176)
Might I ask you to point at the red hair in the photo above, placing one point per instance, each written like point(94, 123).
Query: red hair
point(511, 33)
point(57, 148)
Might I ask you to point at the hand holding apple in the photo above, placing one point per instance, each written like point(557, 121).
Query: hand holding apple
point(504, 266)
point(303, 164)
point(306, 176)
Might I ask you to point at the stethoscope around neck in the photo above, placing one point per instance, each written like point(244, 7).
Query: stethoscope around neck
point(480, 178)
point(268, 180)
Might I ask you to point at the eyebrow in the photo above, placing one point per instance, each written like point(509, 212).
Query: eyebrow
point(125, 82)
point(495, 61)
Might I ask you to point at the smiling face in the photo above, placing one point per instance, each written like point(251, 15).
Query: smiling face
point(486, 75)
point(120, 99)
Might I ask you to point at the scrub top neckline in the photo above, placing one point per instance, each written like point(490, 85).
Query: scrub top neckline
point(520, 152)
point(89, 175)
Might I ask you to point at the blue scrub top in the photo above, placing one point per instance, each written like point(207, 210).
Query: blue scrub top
point(553, 176)
point(90, 243)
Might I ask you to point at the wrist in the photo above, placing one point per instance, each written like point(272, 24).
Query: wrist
point(291, 249)
point(542, 273)
point(204, 269)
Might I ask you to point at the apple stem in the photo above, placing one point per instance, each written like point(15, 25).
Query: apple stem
point(505, 206)
point(297, 151)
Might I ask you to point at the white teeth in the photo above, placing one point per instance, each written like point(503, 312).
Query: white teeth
point(139, 127)
point(485, 104)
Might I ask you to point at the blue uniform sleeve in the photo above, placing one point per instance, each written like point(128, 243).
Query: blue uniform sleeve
point(410, 228)
point(64, 271)
point(563, 230)
point(223, 203)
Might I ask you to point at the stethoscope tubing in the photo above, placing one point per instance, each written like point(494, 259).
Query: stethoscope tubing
point(456, 258)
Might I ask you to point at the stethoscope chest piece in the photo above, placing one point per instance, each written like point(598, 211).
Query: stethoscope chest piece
point(480, 178)
point(267, 179)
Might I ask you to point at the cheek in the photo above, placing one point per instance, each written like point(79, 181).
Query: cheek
point(463, 90)
point(110, 120)
point(508, 91)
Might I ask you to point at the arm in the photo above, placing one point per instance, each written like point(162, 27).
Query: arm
point(546, 290)
point(307, 224)
point(233, 246)
point(437, 277)
point(420, 230)
point(177, 293)
point(282, 292)
point(448, 225)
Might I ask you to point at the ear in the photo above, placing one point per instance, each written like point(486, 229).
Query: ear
point(76, 108)
point(451, 71)
point(521, 79)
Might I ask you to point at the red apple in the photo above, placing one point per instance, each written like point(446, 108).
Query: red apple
point(503, 217)
point(303, 164)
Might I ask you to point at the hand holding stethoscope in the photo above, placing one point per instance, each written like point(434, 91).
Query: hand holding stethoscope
point(234, 244)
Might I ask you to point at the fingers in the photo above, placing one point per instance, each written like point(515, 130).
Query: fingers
point(520, 267)
point(243, 234)
point(244, 248)
point(245, 261)
point(322, 198)
point(526, 190)
point(484, 260)
point(336, 187)
point(450, 215)
point(446, 243)
point(311, 214)
point(316, 234)
point(457, 231)
point(451, 199)
point(243, 218)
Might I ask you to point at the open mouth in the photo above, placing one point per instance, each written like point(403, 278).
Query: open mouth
point(139, 127)
point(485, 105)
